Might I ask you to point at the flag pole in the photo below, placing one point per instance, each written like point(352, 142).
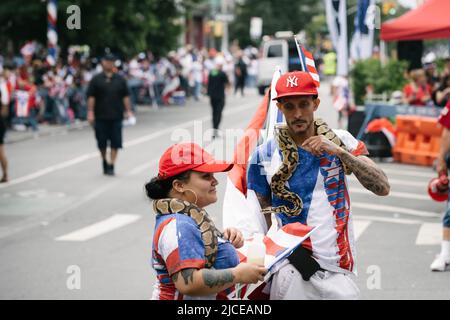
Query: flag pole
point(52, 35)
point(297, 44)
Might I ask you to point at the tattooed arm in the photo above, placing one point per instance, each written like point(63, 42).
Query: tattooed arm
point(365, 170)
point(202, 282)
point(367, 173)
point(265, 202)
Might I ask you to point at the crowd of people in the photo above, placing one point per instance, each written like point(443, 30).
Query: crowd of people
point(35, 92)
point(426, 86)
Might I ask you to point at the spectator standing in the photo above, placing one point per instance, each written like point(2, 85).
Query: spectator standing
point(240, 74)
point(443, 92)
point(108, 99)
point(5, 90)
point(417, 92)
point(217, 82)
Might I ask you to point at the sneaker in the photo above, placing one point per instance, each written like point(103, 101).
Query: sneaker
point(440, 263)
point(110, 170)
point(105, 167)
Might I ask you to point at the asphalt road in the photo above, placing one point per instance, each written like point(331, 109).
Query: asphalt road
point(68, 232)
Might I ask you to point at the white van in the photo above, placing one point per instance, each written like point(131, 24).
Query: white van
point(279, 51)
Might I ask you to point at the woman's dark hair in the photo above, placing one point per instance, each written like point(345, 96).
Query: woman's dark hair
point(159, 188)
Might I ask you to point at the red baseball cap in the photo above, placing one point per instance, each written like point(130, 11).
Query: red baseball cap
point(297, 83)
point(182, 157)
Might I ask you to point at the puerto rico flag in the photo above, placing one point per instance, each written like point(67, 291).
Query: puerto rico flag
point(279, 246)
point(23, 103)
point(307, 62)
point(241, 208)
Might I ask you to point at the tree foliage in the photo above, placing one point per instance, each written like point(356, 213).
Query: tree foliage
point(387, 78)
point(124, 26)
point(280, 15)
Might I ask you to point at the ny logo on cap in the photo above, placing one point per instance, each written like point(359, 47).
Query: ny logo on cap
point(292, 81)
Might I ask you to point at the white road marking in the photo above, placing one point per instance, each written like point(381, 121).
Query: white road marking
point(115, 222)
point(9, 230)
point(383, 208)
point(360, 226)
point(410, 172)
point(395, 194)
point(50, 169)
point(127, 144)
point(399, 182)
point(389, 220)
point(429, 234)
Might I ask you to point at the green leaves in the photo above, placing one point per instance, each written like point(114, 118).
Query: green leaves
point(126, 27)
point(386, 78)
point(280, 15)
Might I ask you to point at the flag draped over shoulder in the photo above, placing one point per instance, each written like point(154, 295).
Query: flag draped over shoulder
point(241, 208)
point(238, 212)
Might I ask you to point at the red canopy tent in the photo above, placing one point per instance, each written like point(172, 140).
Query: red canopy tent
point(429, 21)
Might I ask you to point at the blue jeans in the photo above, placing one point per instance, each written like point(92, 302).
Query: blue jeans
point(197, 90)
point(31, 120)
point(446, 219)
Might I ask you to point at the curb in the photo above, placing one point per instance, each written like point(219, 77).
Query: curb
point(15, 136)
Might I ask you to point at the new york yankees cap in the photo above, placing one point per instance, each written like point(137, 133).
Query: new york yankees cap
point(296, 83)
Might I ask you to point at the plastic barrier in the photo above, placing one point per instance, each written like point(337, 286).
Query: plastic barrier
point(418, 140)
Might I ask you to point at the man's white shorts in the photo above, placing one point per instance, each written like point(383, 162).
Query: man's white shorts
point(288, 284)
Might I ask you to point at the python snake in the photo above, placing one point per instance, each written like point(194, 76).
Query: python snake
point(207, 228)
point(290, 160)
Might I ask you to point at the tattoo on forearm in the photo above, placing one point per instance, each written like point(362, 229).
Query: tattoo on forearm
point(371, 177)
point(188, 275)
point(217, 278)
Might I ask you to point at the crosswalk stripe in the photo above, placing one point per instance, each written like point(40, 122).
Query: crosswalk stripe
point(360, 226)
point(395, 194)
point(389, 220)
point(408, 183)
point(410, 173)
point(97, 229)
point(429, 234)
point(383, 208)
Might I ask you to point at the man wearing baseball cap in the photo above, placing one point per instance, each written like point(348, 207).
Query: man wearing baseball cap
point(108, 100)
point(299, 176)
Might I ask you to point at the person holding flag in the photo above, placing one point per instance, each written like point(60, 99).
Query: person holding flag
point(191, 257)
point(299, 176)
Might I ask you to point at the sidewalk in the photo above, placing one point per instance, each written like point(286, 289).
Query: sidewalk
point(13, 136)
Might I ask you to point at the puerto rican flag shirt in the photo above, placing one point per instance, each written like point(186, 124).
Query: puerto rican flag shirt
point(321, 184)
point(178, 245)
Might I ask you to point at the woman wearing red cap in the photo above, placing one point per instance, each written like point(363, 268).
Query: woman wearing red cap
point(190, 256)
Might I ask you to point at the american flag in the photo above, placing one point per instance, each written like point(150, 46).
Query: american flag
point(307, 62)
